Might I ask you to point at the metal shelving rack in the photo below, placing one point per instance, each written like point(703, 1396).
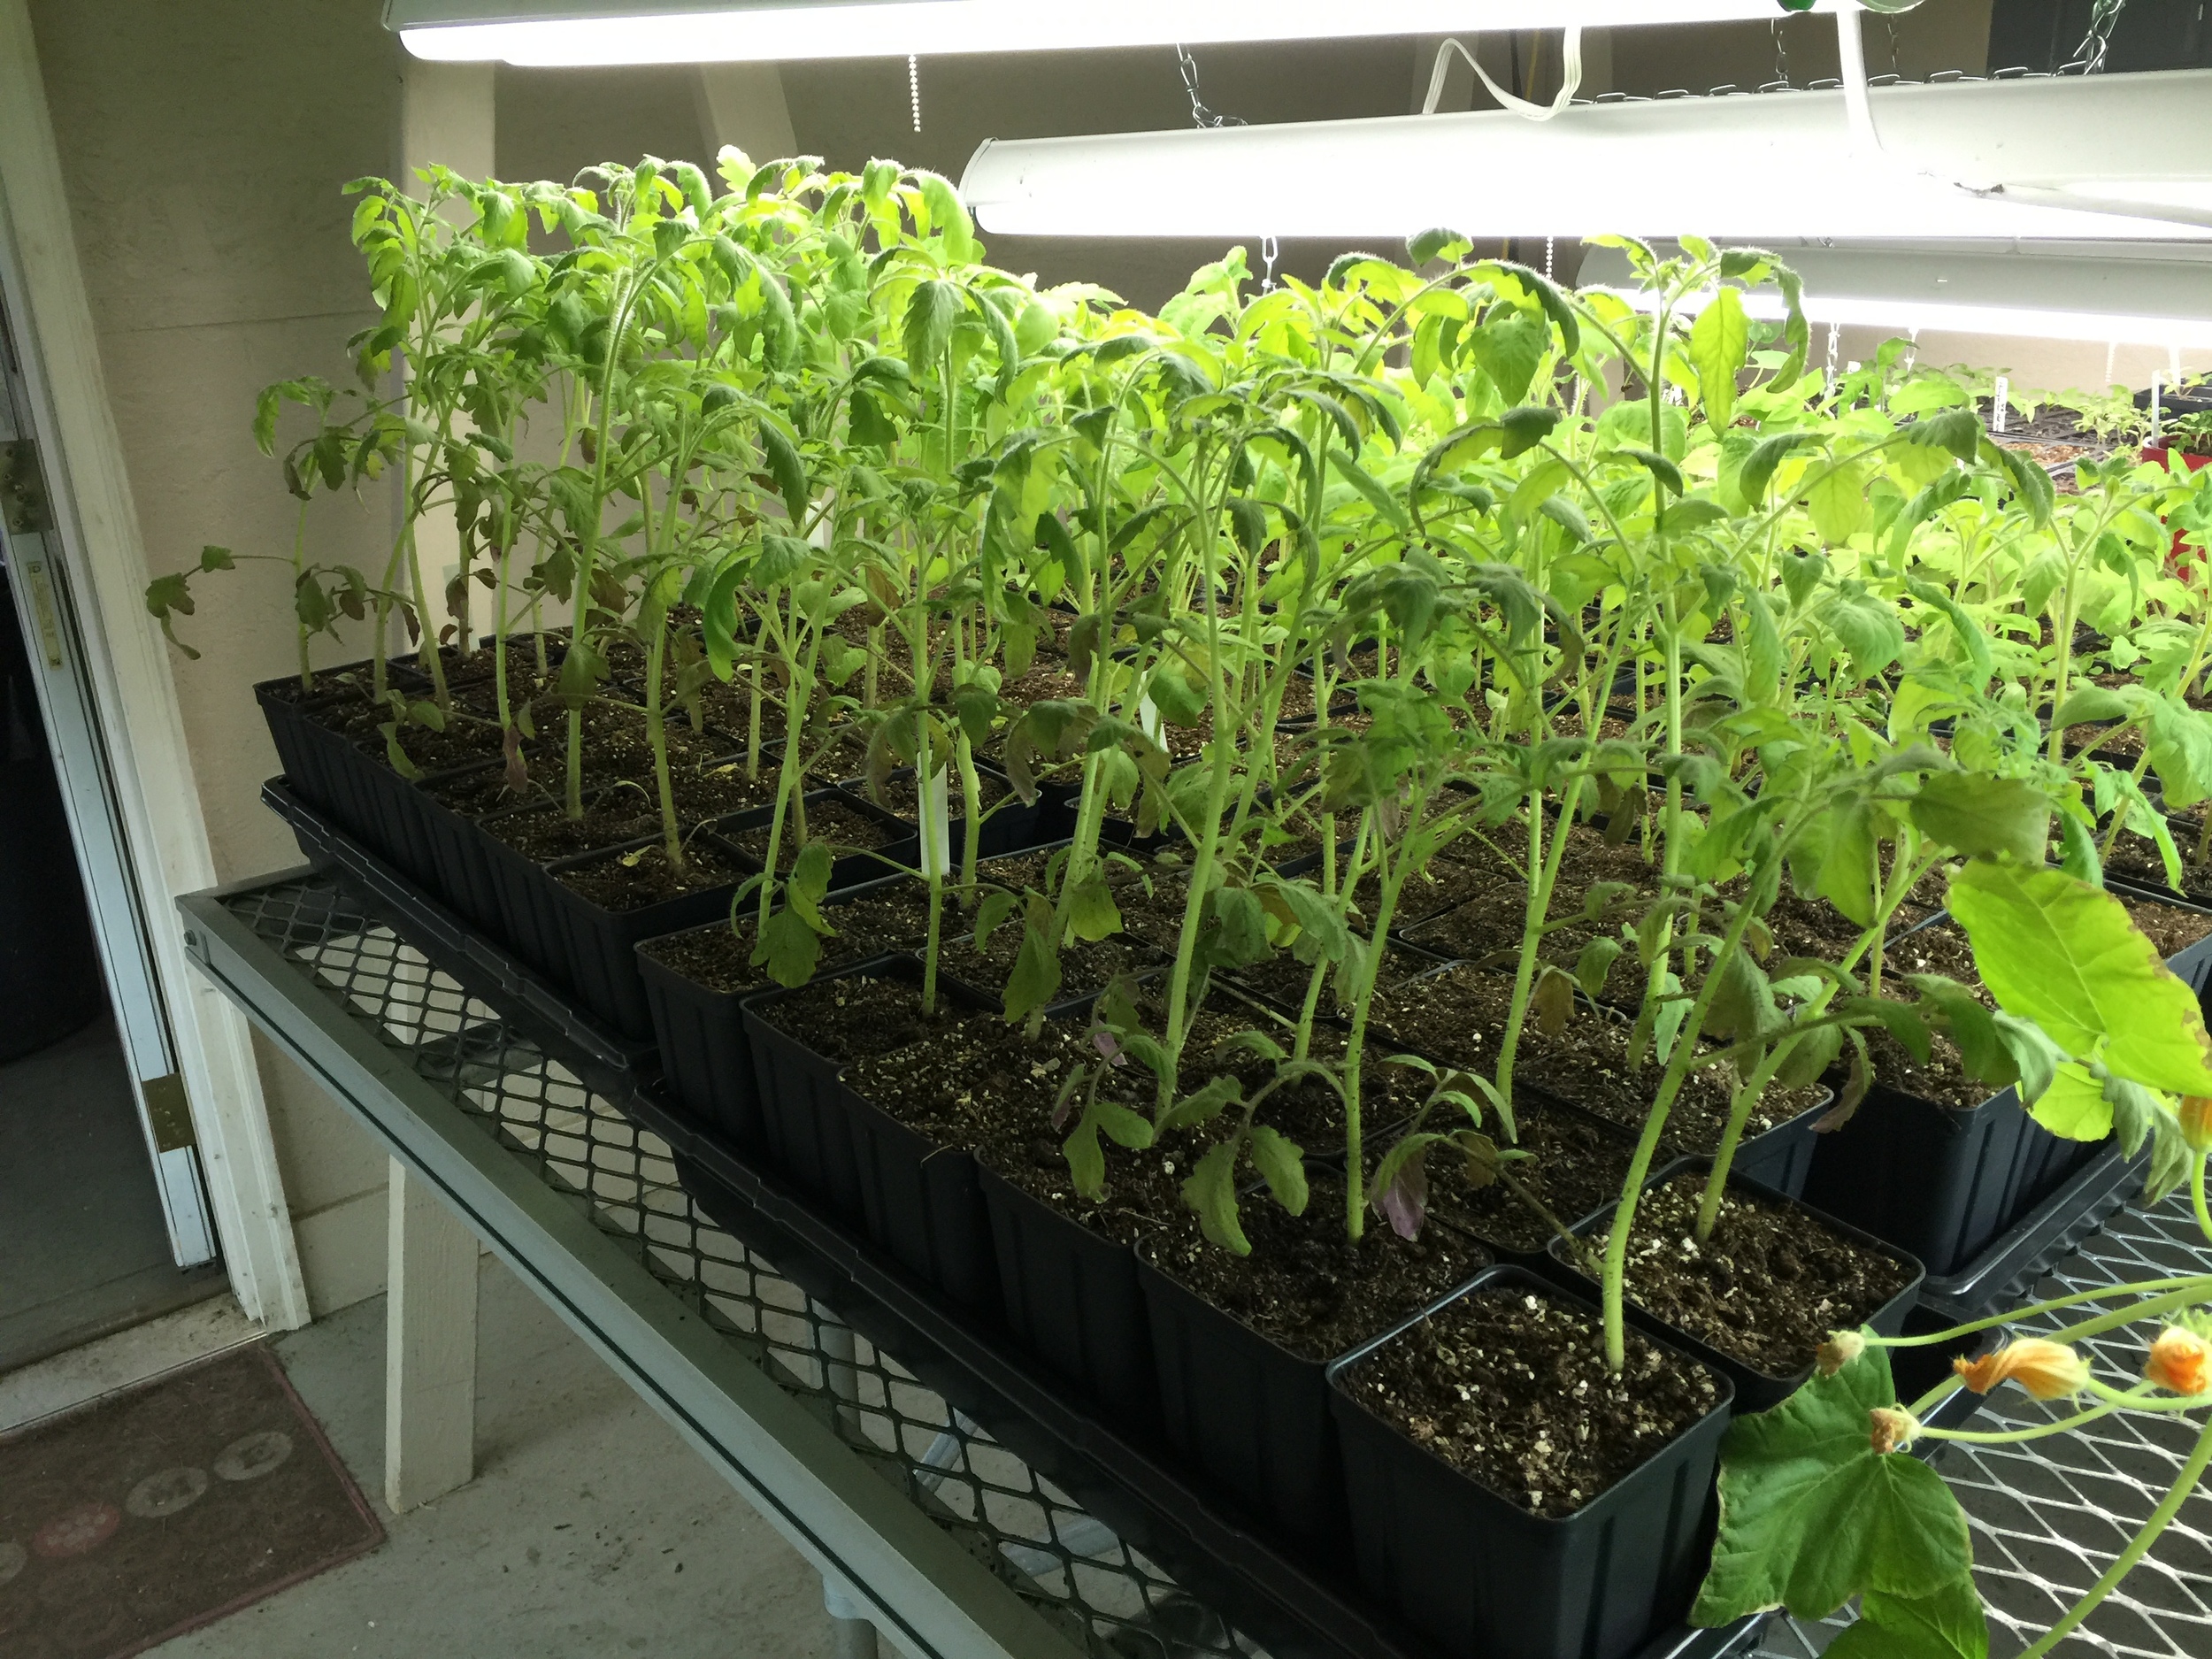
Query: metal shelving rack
point(945, 1540)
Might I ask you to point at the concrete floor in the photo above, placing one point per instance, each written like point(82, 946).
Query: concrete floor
point(81, 1236)
point(590, 1530)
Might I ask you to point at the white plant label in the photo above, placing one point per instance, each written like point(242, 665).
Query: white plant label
point(1998, 414)
point(937, 824)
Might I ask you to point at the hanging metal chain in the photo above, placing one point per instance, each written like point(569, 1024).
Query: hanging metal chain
point(2090, 55)
point(1781, 81)
point(1200, 115)
point(914, 88)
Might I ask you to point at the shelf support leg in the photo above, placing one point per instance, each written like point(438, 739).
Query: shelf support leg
point(429, 1346)
point(853, 1636)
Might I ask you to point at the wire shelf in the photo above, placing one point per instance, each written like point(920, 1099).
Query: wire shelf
point(2047, 1517)
point(1105, 1597)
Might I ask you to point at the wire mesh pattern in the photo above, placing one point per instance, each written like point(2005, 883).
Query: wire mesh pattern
point(2048, 1517)
point(1105, 1597)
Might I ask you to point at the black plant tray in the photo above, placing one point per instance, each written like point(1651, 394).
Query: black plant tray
point(1295, 1610)
point(2003, 1273)
point(443, 936)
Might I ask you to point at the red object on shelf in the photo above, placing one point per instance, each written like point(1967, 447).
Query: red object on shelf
point(2196, 463)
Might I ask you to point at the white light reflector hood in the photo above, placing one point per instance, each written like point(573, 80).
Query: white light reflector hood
point(586, 32)
point(1768, 165)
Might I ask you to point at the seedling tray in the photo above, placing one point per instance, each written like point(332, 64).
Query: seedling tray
point(1296, 1609)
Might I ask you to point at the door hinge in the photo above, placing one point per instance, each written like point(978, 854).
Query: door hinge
point(43, 608)
point(23, 506)
point(168, 1111)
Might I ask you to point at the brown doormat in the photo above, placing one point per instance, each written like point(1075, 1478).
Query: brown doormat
point(154, 1511)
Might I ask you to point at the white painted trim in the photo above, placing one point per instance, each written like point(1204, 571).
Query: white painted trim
point(129, 668)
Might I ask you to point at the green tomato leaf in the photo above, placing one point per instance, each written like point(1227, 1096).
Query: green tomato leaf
point(1035, 976)
point(1092, 913)
point(1719, 341)
point(791, 947)
point(1281, 1163)
point(1211, 1190)
point(1981, 817)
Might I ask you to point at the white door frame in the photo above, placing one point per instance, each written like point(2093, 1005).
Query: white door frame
point(98, 554)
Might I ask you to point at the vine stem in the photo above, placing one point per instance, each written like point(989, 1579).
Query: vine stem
point(2192, 1282)
point(2196, 1194)
point(2186, 1483)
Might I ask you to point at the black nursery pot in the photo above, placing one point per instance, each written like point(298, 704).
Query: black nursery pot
point(1946, 1182)
point(1071, 1298)
point(921, 1199)
point(1756, 1390)
point(706, 1056)
point(1478, 1573)
point(1250, 1413)
point(326, 769)
point(1782, 1157)
point(806, 1109)
point(1939, 1181)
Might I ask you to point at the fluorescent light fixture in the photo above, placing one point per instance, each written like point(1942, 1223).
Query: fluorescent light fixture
point(1902, 316)
point(1751, 167)
point(2122, 292)
point(605, 32)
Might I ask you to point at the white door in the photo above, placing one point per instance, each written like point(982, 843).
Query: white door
point(30, 546)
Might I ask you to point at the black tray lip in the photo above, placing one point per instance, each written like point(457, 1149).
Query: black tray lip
point(2026, 1246)
point(1702, 1163)
point(611, 1062)
point(1524, 1277)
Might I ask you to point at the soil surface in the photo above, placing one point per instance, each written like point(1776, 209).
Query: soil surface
point(622, 882)
point(1509, 1386)
point(1766, 1288)
point(839, 823)
point(1575, 1168)
point(1306, 1285)
point(1458, 1017)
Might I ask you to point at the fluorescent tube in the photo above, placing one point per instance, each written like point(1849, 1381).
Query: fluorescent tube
point(1749, 167)
point(605, 32)
point(1907, 316)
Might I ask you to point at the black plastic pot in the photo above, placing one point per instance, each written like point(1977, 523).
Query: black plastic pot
point(1782, 1156)
point(1530, 1100)
point(806, 1109)
point(1246, 1411)
point(1756, 1390)
point(327, 769)
point(923, 1201)
point(1947, 1183)
point(593, 951)
point(1479, 1574)
point(1015, 825)
point(1072, 1298)
point(460, 859)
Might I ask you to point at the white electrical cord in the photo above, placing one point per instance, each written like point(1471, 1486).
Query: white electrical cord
point(1571, 79)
